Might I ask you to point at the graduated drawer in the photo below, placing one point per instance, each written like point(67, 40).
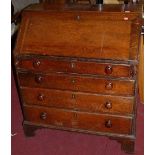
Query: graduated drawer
point(78, 101)
point(77, 83)
point(73, 66)
point(79, 120)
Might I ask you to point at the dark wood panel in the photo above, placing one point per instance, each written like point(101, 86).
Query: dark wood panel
point(78, 34)
point(73, 119)
point(77, 83)
point(79, 101)
point(73, 66)
point(105, 123)
point(141, 71)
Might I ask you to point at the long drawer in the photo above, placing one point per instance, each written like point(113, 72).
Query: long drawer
point(78, 100)
point(77, 83)
point(79, 120)
point(73, 66)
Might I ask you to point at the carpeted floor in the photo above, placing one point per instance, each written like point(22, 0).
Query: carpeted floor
point(55, 142)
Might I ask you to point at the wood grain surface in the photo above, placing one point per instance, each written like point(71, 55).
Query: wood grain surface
point(86, 102)
point(73, 119)
point(48, 65)
point(78, 83)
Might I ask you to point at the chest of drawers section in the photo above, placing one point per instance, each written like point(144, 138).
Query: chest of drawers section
point(96, 99)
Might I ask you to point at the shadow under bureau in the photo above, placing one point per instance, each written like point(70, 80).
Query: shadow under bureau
point(76, 69)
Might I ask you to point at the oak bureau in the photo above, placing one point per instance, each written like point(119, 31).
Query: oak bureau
point(76, 69)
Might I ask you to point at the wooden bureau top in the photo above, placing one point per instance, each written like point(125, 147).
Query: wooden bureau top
point(80, 31)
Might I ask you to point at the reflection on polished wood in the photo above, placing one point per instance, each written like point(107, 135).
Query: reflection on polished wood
point(141, 71)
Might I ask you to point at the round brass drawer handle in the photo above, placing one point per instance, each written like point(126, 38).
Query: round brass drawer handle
point(108, 105)
point(43, 115)
point(108, 69)
point(41, 97)
point(109, 85)
point(36, 63)
point(39, 79)
point(108, 124)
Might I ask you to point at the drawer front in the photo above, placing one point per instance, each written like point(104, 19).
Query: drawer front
point(77, 83)
point(78, 120)
point(99, 35)
point(55, 65)
point(78, 101)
